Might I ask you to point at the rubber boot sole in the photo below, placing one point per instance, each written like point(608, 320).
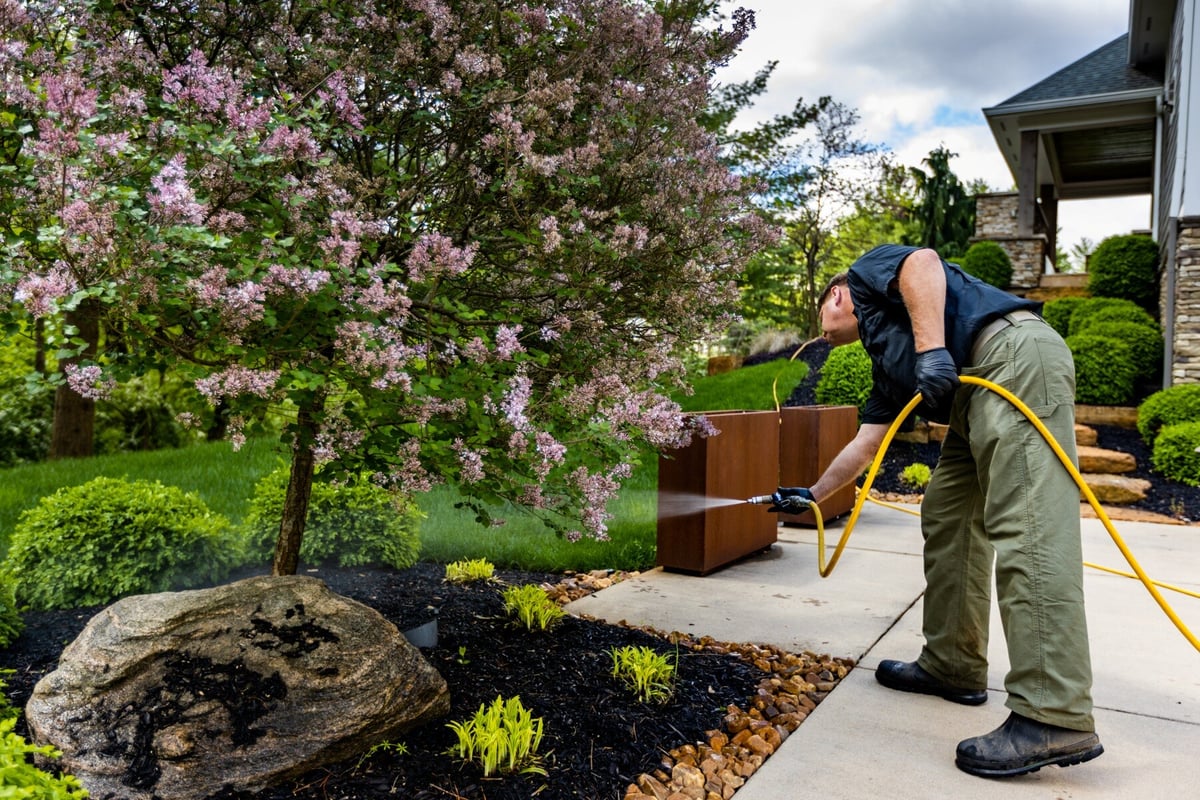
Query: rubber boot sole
point(1065, 760)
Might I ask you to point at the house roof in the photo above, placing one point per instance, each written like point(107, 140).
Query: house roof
point(1104, 71)
point(1095, 121)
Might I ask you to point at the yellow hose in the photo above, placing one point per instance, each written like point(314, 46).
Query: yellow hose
point(1138, 572)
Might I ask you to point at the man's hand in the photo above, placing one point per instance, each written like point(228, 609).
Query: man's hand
point(937, 378)
point(791, 500)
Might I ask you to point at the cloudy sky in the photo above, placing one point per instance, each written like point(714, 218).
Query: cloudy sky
point(920, 71)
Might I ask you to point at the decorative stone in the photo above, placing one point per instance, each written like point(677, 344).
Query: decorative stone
point(1099, 460)
point(183, 695)
point(1116, 489)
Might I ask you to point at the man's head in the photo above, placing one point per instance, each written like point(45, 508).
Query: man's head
point(836, 310)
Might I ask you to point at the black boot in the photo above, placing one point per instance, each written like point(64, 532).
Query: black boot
point(907, 676)
point(1023, 745)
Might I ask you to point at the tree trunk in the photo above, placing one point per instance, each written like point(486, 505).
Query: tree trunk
point(75, 415)
point(295, 502)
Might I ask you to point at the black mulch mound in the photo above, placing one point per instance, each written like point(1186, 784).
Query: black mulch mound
point(598, 738)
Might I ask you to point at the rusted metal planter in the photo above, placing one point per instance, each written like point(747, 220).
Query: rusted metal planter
point(810, 437)
point(696, 533)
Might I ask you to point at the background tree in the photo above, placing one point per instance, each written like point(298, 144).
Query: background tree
point(466, 239)
point(839, 170)
point(945, 210)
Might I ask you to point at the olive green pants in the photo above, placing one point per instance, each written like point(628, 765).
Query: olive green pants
point(999, 493)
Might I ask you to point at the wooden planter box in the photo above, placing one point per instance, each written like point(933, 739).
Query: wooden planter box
point(697, 533)
point(810, 437)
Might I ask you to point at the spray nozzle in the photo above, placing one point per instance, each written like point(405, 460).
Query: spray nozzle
point(761, 500)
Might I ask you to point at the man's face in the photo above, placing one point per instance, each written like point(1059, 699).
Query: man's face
point(838, 324)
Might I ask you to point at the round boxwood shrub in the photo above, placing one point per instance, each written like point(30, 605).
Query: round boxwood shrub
point(1107, 309)
point(11, 623)
point(1174, 454)
point(846, 377)
point(108, 538)
point(1145, 344)
point(989, 262)
point(1125, 267)
point(1170, 406)
point(1104, 371)
point(351, 523)
point(1057, 313)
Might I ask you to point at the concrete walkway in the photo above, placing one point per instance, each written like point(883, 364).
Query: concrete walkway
point(865, 741)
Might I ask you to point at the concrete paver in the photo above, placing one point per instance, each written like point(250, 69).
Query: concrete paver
point(865, 741)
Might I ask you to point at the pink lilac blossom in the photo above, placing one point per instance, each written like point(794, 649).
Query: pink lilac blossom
point(470, 460)
point(336, 436)
point(551, 238)
point(434, 254)
point(336, 93)
point(238, 380)
point(171, 198)
point(508, 341)
point(41, 294)
point(281, 280)
point(237, 432)
point(516, 401)
point(552, 452)
point(89, 381)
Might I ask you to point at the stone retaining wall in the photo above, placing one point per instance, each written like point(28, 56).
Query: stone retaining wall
point(1185, 366)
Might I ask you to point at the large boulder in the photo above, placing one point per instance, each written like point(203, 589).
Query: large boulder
point(183, 694)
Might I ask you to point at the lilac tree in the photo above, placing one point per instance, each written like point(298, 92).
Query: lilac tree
point(464, 239)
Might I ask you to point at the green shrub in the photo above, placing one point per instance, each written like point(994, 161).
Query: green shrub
point(846, 377)
point(989, 262)
point(11, 623)
point(354, 524)
point(1057, 313)
point(1169, 406)
point(916, 475)
point(26, 407)
point(20, 778)
point(140, 414)
point(1125, 267)
point(108, 538)
point(1107, 309)
point(1145, 345)
point(1104, 371)
point(1174, 454)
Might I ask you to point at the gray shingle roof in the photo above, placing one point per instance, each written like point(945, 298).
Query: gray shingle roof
point(1105, 70)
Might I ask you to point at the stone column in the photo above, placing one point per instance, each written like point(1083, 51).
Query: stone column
point(1185, 364)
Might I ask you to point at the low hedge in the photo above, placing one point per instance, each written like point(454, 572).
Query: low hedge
point(1174, 454)
point(1170, 406)
point(1104, 370)
point(845, 377)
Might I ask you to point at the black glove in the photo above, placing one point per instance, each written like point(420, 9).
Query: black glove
point(937, 378)
point(791, 501)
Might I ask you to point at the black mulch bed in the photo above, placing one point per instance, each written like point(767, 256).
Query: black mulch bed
point(1165, 497)
point(598, 738)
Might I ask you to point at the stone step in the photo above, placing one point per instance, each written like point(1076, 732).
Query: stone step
point(1116, 489)
point(1099, 460)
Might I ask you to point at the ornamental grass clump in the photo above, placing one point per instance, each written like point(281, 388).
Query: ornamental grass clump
point(650, 675)
point(531, 607)
point(472, 570)
point(501, 738)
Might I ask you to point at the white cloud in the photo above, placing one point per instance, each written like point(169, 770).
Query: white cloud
point(919, 73)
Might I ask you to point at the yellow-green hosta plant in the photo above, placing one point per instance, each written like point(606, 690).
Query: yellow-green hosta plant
point(471, 570)
point(916, 475)
point(531, 606)
point(501, 738)
point(650, 675)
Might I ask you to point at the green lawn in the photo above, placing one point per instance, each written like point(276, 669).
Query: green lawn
point(224, 479)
